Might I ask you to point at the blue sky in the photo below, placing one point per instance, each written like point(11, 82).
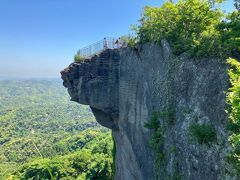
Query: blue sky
point(38, 38)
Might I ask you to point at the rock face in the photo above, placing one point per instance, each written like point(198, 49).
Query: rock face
point(125, 87)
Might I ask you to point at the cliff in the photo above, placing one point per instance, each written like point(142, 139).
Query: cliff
point(127, 88)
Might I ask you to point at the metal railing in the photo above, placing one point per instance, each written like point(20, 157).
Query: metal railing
point(106, 43)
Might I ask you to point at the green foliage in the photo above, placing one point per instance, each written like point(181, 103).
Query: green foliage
point(233, 96)
point(234, 156)
point(192, 26)
point(40, 129)
point(188, 25)
point(237, 4)
point(233, 99)
point(168, 115)
point(38, 111)
point(204, 134)
point(230, 35)
point(78, 58)
point(130, 41)
point(114, 152)
point(73, 166)
point(153, 123)
point(89, 160)
point(157, 139)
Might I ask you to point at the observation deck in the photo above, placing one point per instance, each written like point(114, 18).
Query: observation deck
point(97, 47)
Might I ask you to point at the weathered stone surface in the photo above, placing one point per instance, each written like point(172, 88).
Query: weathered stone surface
point(124, 87)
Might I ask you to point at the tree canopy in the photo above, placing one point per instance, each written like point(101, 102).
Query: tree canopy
point(45, 136)
point(192, 26)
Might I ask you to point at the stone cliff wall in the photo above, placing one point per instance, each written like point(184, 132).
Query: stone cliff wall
point(125, 87)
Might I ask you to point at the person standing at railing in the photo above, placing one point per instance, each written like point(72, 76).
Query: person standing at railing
point(118, 43)
point(113, 44)
point(105, 46)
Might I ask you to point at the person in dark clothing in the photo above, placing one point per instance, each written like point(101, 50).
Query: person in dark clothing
point(105, 46)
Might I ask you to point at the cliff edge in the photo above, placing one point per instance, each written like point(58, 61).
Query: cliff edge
point(130, 87)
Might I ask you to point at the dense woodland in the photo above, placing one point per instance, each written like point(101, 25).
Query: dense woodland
point(45, 136)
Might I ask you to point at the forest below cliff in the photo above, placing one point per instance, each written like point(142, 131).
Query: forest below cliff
point(45, 136)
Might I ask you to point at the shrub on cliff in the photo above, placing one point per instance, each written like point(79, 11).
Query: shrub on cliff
point(203, 134)
point(78, 58)
point(157, 138)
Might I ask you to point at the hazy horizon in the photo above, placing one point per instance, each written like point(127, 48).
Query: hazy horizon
point(29, 78)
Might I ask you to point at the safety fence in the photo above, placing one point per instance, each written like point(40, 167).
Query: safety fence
point(106, 43)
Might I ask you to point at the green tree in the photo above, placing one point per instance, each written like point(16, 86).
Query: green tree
point(230, 33)
point(189, 26)
point(233, 99)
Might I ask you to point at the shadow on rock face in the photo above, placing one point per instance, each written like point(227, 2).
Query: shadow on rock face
point(95, 82)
